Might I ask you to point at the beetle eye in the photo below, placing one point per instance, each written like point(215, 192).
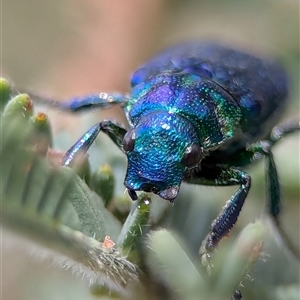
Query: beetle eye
point(192, 155)
point(129, 140)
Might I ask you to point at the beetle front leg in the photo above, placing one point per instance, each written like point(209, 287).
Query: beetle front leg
point(222, 225)
point(114, 131)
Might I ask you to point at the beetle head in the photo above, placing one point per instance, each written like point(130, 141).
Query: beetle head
point(159, 149)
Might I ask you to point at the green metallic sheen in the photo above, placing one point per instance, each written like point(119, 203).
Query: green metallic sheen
point(170, 113)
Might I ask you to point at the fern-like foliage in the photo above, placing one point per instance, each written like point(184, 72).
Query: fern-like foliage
point(142, 250)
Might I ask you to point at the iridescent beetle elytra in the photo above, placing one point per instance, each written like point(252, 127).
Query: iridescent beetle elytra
point(198, 113)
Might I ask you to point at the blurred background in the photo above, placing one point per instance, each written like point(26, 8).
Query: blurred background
point(62, 48)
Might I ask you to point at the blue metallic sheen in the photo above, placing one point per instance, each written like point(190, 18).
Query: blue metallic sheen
point(214, 92)
point(198, 112)
point(81, 145)
point(219, 99)
point(161, 140)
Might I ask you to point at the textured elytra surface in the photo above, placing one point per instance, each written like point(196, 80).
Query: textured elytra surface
point(239, 73)
point(198, 93)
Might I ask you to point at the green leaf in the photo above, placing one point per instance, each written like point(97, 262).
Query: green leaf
point(55, 208)
point(136, 224)
point(169, 261)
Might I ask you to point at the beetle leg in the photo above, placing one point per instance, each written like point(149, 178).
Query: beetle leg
point(273, 187)
point(114, 131)
point(272, 182)
point(82, 103)
point(222, 225)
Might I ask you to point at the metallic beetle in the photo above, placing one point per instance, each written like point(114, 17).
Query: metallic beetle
point(198, 112)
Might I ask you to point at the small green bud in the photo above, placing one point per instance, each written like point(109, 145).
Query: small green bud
point(81, 166)
point(41, 136)
point(20, 107)
point(103, 183)
point(122, 204)
point(5, 92)
point(120, 207)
